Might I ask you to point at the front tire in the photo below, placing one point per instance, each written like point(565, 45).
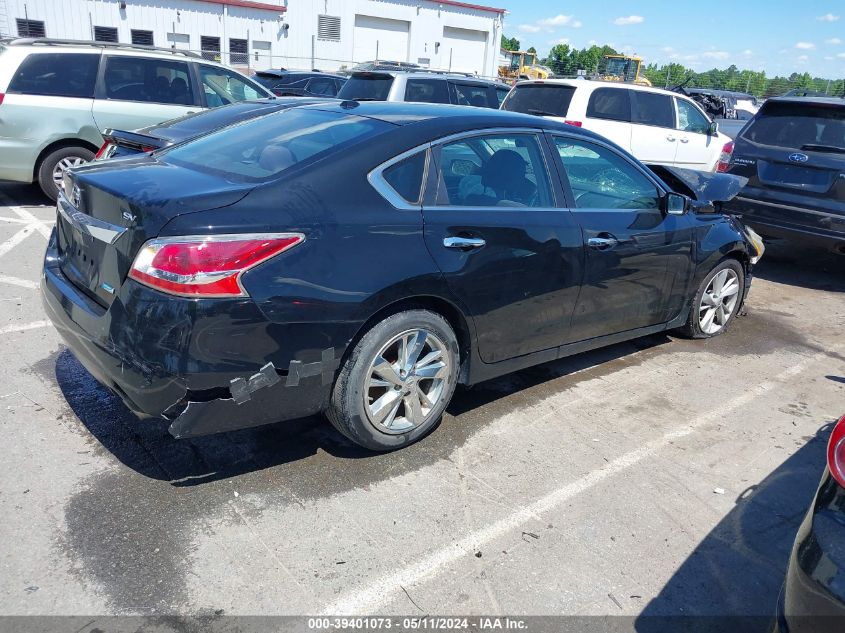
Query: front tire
point(52, 168)
point(717, 301)
point(398, 381)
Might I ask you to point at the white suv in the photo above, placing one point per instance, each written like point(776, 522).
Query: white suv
point(57, 97)
point(656, 126)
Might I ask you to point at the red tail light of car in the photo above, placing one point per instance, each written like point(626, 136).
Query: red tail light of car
point(574, 123)
point(836, 452)
point(725, 157)
point(103, 149)
point(206, 266)
point(2, 96)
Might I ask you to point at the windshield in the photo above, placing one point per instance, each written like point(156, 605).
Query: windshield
point(799, 126)
point(369, 87)
point(264, 147)
point(539, 99)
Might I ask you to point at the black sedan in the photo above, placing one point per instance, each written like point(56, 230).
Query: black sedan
point(362, 259)
point(290, 83)
point(813, 596)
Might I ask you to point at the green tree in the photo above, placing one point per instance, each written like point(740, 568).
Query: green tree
point(510, 43)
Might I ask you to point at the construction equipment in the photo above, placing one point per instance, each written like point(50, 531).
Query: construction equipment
point(523, 65)
point(623, 68)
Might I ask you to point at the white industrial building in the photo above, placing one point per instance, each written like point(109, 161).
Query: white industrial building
point(301, 34)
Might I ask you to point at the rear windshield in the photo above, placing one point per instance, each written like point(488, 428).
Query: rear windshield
point(539, 99)
point(799, 126)
point(262, 148)
point(366, 87)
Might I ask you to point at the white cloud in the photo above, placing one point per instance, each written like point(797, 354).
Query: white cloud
point(716, 55)
point(748, 52)
point(802, 59)
point(805, 46)
point(560, 40)
point(577, 24)
point(829, 58)
point(841, 55)
point(668, 49)
point(835, 41)
point(630, 19)
point(828, 17)
point(558, 20)
point(529, 28)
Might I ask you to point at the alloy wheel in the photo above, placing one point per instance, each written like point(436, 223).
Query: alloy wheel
point(406, 380)
point(63, 165)
point(719, 301)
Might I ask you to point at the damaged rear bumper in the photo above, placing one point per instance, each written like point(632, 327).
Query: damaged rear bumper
point(207, 367)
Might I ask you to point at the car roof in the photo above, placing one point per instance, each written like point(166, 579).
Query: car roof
point(448, 118)
point(834, 101)
point(445, 76)
point(278, 74)
point(54, 45)
point(593, 84)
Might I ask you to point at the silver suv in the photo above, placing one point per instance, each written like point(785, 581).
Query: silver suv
point(425, 87)
point(58, 96)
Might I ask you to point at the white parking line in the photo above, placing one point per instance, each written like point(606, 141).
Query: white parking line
point(16, 239)
point(22, 213)
point(17, 281)
point(370, 597)
point(23, 327)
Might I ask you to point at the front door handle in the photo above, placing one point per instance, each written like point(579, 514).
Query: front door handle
point(684, 140)
point(463, 243)
point(602, 243)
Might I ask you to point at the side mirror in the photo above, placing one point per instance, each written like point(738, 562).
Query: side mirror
point(713, 130)
point(675, 204)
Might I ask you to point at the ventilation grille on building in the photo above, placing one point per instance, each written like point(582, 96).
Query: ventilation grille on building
point(328, 27)
point(142, 38)
point(105, 34)
point(238, 52)
point(31, 28)
point(210, 47)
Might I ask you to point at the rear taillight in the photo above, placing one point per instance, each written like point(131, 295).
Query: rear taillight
point(575, 123)
point(206, 266)
point(836, 452)
point(102, 151)
point(2, 95)
point(725, 157)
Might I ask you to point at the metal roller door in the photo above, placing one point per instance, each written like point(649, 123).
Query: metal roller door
point(467, 49)
point(389, 36)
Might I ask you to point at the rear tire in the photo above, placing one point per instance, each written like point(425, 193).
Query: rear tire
point(396, 384)
point(55, 163)
point(717, 301)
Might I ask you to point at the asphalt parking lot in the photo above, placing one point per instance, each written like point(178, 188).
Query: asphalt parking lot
point(658, 477)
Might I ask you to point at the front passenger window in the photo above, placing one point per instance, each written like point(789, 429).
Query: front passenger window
point(602, 179)
point(690, 118)
point(493, 171)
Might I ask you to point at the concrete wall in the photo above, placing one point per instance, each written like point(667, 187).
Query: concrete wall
point(183, 22)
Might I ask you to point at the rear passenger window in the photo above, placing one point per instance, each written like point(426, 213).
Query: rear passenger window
point(322, 86)
point(501, 94)
point(406, 176)
point(56, 75)
point(469, 95)
point(602, 179)
point(427, 91)
point(147, 80)
point(649, 108)
point(613, 104)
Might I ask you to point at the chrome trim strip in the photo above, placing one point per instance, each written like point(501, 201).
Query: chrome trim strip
point(377, 181)
point(777, 205)
point(84, 223)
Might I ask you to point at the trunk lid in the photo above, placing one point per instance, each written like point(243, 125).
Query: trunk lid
point(100, 228)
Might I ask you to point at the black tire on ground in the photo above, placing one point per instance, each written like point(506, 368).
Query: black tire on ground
point(48, 165)
point(692, 328)
point(346, 410)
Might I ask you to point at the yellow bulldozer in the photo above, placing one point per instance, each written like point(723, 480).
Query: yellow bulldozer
point(623, 68)
point(523, 65)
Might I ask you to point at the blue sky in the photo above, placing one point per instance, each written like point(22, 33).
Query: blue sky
point(778, 36)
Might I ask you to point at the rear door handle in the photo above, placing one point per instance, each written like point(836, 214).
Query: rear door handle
point(602, 243)
point(684, 140)
point(670, 138)
point(463, 243)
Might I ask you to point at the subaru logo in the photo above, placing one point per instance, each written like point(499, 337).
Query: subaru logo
point(798, 157)
point(76, 196)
